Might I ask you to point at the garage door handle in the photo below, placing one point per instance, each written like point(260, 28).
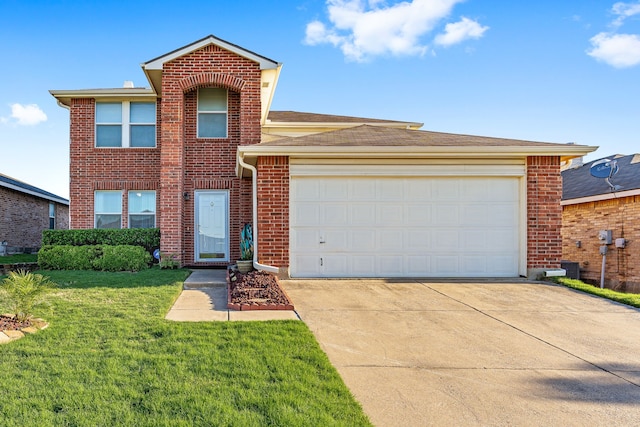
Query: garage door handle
point(321, 241)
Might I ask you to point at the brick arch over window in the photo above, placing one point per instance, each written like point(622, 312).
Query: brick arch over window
point(211, 79)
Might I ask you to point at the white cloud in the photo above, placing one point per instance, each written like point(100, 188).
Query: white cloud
point(363, 30)
point(457, 32)
point(618, 50)
point(624, 11)
point(25, 115)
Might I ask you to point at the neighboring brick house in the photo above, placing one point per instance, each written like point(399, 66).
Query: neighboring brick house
point(199, 154)
point(25, 211)
point(588, 206)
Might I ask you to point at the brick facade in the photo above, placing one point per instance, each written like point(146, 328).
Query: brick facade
point(544, 213)
point(181, 163)
point(23, 217)
point(273, 211)
point(581, 222)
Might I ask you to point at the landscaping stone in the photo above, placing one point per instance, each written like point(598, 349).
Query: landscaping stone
point(4, 338)
point(13, 334)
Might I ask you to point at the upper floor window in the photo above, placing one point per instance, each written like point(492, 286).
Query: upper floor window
point(108, 209)
point(212, 113)
point(142, 209)
point(125, 124)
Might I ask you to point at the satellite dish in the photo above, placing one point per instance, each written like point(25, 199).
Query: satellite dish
point(606, 168)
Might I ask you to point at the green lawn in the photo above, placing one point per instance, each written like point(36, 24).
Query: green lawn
point(624, 298)
point(18, 258)
point(109, 358)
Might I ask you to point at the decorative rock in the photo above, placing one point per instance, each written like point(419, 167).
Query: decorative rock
point(4, 338)
point(29, 330)
point(13, 334)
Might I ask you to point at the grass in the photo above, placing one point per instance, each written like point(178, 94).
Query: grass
point(110, 358)
point(18, 258)
point(621, 297)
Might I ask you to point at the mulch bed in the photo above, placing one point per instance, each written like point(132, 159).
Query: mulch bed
point(256, 290)
point(9, 323)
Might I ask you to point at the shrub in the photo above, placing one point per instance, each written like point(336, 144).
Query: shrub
point(122, 258)
point(26, 292)
point(148, 238)
point(67, 257)
point(94, 257)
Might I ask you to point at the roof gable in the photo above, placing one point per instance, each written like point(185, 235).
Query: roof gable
point(578, 182)
point(23, 187)
point(153, 68)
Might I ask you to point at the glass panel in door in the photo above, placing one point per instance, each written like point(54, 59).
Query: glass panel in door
point(212, 226)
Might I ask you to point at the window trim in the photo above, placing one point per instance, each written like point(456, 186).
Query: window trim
point(155, 205)
point(125, 123)
point(52, 216)
point(225, 112)
point(95, 214)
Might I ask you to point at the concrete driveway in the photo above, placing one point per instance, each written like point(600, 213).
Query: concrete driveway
point(423, 353)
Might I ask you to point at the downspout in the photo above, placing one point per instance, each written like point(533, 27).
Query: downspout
point(254, 191)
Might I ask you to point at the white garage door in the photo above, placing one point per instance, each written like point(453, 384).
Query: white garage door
point(405, 227)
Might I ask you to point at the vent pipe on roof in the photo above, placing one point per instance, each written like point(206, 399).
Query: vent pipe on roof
point(128, 84)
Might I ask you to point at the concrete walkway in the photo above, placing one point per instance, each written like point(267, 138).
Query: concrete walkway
point(204, 299)
point(477, 354)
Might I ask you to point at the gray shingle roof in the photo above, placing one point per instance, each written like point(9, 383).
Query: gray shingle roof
point(367, 135)
point(14, 184)
point(301, 117)
point(578, 182)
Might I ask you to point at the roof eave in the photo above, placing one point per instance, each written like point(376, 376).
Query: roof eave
point(64, 97)
point(52, 198)
point(565, 152)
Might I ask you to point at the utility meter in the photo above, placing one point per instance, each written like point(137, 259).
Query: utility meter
point(605, 236)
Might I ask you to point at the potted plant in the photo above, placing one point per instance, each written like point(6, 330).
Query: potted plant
point(245, 263)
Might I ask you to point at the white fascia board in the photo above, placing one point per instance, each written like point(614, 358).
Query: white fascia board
point(65, 96)
point(34, 193)
point(156, 64)
point(601, 197)
point(404, 151)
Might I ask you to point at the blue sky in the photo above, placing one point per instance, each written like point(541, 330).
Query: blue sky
point(543, 71)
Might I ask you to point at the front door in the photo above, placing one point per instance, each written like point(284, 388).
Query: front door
point(212, 226)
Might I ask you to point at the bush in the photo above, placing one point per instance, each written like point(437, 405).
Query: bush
point(67, 257)
point(26, 292)
point(148, 238)
point(94, 257)
point(122, 258)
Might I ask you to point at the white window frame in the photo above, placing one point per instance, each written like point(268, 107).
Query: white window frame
point(95, 214)
point(125, 123)
point(225, 112)
point(129, 214)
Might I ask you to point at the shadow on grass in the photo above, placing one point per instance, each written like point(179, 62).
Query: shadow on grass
point(85, 279)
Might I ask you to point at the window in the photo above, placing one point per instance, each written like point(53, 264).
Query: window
point(212, 113)
point(108, 209)
point(125, 124)
point(142, 209)
point(52, 216)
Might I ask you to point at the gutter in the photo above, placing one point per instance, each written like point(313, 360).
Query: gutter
point(254, 187)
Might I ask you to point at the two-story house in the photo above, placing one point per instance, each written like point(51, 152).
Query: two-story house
point(199, 154)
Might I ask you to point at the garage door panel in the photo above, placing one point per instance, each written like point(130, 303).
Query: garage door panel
point(305, 214)
point(362, 190)
point(388, 215)
point(409, 227)
point(446, 214)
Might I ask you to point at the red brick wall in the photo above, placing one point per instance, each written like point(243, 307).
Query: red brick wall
point(94, 168)
point(181, 163)
point(23, 217)
point(582, 222)
point(273, 211)
point(188, 163)
point(544, 214)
